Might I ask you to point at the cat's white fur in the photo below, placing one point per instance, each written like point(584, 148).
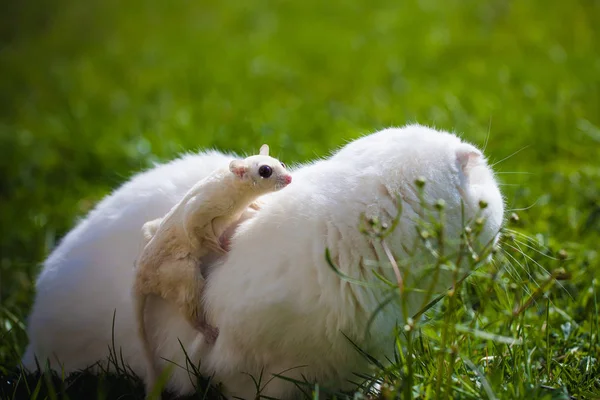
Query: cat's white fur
point(277, 303)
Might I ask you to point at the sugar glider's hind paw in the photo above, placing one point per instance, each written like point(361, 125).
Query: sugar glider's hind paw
point(211, 333)
point(216, 246)
point(225, 242)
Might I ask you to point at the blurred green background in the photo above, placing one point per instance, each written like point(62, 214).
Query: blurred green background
point(92, 92)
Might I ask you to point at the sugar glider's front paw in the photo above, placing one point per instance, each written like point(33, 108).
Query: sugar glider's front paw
point(256, 205)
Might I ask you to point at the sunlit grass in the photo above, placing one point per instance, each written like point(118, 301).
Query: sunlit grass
point(91, 92)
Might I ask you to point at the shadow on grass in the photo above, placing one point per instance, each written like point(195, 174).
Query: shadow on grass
point(17, 384)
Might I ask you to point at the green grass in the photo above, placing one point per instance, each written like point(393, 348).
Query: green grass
point(91, 92)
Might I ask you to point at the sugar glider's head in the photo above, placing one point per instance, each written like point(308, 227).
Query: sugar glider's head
point(454, 171)
point(265, 173)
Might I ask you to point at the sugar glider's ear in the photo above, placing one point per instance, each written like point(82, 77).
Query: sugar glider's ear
point(264, 150)
point(468, 157)
point(239, 168)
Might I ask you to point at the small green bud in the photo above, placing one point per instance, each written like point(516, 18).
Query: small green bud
point(561, 274)
point(440, 204)
point(514, 218)
point(495, 249)
point(562, 254)
point(483, 204)
point(420, 182)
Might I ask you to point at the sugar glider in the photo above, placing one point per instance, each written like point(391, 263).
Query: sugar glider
point(170, 263)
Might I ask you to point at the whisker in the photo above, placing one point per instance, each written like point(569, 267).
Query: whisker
point(507, 266)
point(507, 157)
point(487, 137)
point(500, 267)
point(513, 172)
point(542, 268)
point(536, 250)
point(531, 278)
point(523, 235)
point(523, 209)
point(514, 274)
point(517, 248)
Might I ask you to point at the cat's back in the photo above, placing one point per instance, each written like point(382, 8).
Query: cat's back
point(88, 277)
point(118, 218)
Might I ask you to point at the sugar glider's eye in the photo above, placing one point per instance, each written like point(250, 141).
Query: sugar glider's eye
point(282, 164)
point(265, 171)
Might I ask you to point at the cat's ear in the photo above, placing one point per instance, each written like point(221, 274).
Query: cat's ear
point(239, 168)
point(468, 157)
point(264, 150)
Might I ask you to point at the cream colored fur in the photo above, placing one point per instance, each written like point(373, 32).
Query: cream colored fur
point(177, 244)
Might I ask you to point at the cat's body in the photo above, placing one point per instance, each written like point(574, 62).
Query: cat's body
point(277, 303)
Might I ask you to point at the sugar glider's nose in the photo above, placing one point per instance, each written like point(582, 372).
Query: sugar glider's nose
point(288, 179)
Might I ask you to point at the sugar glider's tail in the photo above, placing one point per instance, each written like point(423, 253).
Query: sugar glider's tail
point(151, 368)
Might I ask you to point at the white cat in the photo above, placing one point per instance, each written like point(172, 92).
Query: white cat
point(277, 303)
